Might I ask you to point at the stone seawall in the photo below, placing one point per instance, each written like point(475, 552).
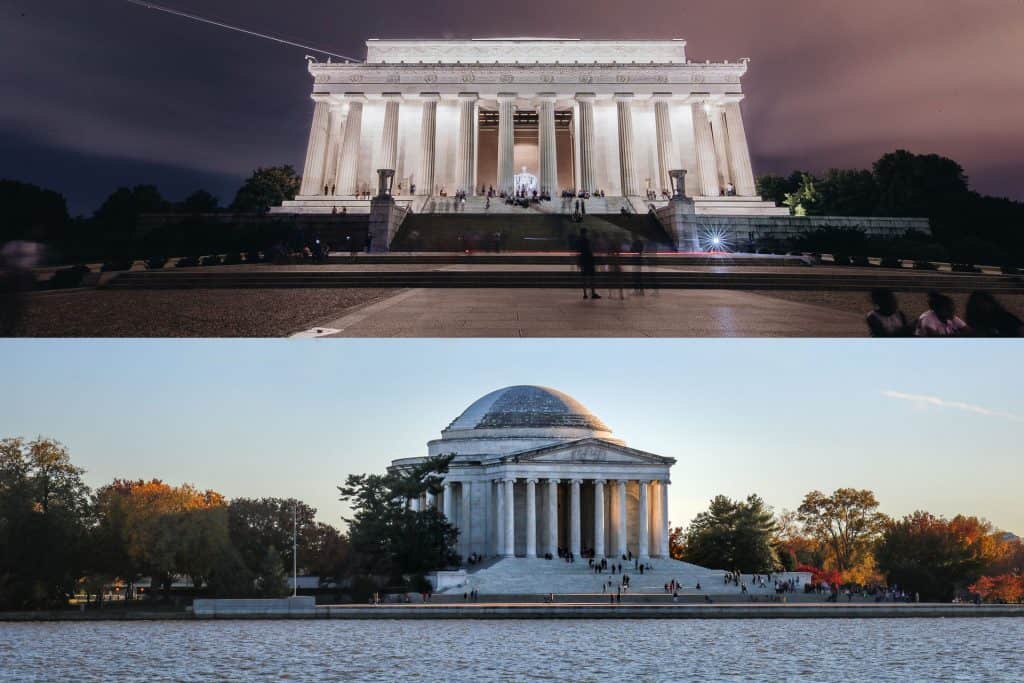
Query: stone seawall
point(557, 611)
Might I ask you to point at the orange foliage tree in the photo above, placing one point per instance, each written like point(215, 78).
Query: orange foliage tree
point(1006, 588)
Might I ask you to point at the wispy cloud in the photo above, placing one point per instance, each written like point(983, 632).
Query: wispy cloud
point(924, 399)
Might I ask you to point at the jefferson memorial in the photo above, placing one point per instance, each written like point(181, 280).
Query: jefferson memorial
point(534, 472)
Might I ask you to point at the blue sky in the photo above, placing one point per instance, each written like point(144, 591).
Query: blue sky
point(926, 425)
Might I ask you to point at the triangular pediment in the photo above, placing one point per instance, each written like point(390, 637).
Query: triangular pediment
point(588, 451)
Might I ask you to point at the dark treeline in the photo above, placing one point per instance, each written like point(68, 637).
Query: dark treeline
point(59, 538)
point(111, 232)
point(966, 226)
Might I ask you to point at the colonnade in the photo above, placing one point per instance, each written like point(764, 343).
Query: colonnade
point(650, 522)
point(722, 154)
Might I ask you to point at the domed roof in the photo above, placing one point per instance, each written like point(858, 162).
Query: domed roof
point(528, 407)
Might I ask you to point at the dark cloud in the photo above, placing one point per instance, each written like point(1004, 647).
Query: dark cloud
point(101, 89)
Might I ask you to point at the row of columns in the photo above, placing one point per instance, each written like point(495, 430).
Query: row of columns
point(722, 155)
point(506, 525)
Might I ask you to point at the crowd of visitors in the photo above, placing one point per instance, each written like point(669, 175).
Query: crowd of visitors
point(986, 317)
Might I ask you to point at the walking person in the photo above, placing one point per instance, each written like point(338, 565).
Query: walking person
point(586, 264)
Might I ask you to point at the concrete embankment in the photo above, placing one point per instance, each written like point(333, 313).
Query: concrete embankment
point(555, 611)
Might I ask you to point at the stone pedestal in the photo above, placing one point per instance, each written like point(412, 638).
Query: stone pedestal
point(679, 218)
point(385, 216)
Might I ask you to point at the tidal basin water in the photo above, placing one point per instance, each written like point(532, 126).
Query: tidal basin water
point(987, 649)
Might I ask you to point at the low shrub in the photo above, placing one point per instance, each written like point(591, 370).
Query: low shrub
point(118, 265)
point(925, 265)
point(68, 277)
point(861, 261)
point(212, 260)
point(187, 262)
point(233, 258)
point(965, 268)
point(156, 262)
point(841, 259)
point(892, 262)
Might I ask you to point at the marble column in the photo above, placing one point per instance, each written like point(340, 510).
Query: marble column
point(546, 143)
point(499, 541)
point(599, 518)
point(465, 145)
point(414, 504)
point(348, 163)
point(506, 142)
point(336, 139)
point(531, 518)
point(667, 153)
point(316, 151)
point(574, 518)
point(431, 501)
point(588, 177)
point(388, 157)
point(721, 136)
point(620, 521)
point(663, 550)
point(446, 501)
point(553, 517)
point(739, 154)
point(643, 517)
point(465, 526)
point(510, 518)
point(707, 166)
point(627, 157)
point(428, 145)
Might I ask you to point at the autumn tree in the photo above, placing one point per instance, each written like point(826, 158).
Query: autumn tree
point(733, 535)
point(1004, 588)
point(44, 519)
point(844, 523)
point(934, 556)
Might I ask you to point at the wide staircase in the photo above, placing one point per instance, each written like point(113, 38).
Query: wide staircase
point(524, 577)
point(520, 230)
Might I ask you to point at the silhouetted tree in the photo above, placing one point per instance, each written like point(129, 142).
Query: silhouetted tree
point(199, 201)
point(265, 188)
point(30, 212)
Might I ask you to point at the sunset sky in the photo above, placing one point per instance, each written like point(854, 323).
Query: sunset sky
point(930, 425)
point(103, 93)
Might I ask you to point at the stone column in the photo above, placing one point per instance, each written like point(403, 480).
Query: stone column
point(588, 179)
point(707, 166)
point(721, 136)
point(620, 521)
point(316, 151)
point(663, 550)
point(739, 154)
point(465, 526)
point(499, 542)
point(336, 138)
point(510, 518)
point(414, 504)
point(667, 153)
point(465, 147)
point(348, 163)
point(599, 518)
point(506, 141)
point(643, 516)
point(389, 135)
point(531, 518)
point(446, 501)
point(546, 143)
point(574, 518)
point(553, 517)
point(428, 145)
point(431, 501)
point(627, 159)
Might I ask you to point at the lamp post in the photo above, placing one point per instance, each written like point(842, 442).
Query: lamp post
point(295, 550)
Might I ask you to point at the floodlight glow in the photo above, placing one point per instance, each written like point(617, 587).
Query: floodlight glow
point(716, 240)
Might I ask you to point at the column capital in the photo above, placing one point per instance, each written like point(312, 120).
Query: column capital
point(430, 96)
point(321, 97)
point(471, 96)
point(576, 482)
point(623, 97)
point(599, 482)
point(531, 480)
point(662, 97)
point(509, 480)
point(507, 96)
point(554, 481)
point(622, 482)
point(391, 96)
point(585, 96)
point(547, 97)
point(354, 97)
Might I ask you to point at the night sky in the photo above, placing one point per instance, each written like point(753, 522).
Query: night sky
point(101, 93)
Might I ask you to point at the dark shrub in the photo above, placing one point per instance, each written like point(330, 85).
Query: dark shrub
point(156, 262)
point(212, 260)
point(233, 258)
point(67, 277)
point(253, 256)
point(1010, 270)
point(892, 262)
point(965, 268)
point(113, 266)
point(925, 265)
point(861, 261)
point(841, 259)
point(187, 262)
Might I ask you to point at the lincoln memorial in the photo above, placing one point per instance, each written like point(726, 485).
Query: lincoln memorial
point(594, 116)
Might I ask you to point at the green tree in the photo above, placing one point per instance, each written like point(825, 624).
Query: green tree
point(844, 523)
point(846, 192)
point(389, 539)
point(271, 581)
point(265, 188)
point(733, 535)
point(776, 187)
point(805, 200)
point(44, 520)
point(258, 523)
